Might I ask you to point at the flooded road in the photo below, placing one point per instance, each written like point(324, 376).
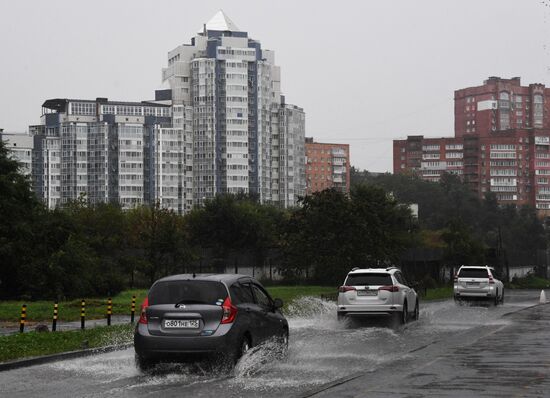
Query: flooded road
point(322, 351)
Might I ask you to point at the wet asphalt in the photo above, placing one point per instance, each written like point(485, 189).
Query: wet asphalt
point(455, 351)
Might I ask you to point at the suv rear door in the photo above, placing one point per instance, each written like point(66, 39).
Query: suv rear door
point(366, 288)
point(473, 279)
point(185, 307)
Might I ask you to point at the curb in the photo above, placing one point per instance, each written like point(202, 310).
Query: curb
point(22, 363)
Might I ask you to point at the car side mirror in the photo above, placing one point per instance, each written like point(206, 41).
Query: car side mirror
point(277, 303)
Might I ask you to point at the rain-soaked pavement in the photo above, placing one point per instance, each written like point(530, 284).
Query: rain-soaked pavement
point(451, 351)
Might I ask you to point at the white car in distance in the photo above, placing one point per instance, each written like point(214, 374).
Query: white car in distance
point(478, 282)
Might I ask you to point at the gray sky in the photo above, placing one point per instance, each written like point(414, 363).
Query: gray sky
point(365, 72)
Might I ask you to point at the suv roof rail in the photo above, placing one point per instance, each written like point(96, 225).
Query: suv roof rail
point(390, 268)
point(355, 268)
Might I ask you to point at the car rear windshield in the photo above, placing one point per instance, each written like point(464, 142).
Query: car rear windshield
point(473, 273)
point(187, 292)
point(370, 279)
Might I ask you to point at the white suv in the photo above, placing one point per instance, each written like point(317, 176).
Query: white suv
point(375, 292)
point(478, 283)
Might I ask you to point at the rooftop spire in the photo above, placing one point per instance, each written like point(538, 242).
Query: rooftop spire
point(220, 21)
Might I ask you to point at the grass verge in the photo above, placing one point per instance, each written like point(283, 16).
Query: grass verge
point(529, 282)
point(33, 344)
point(438, 293)
point(40, 311)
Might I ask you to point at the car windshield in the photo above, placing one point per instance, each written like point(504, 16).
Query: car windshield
point(187, 292)
point(473, 273)
point(368, 279)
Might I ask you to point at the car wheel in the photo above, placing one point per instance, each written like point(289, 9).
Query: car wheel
point(340, 317)
point(144, 364)
point(502, 297)
point(416, 314)
point(404, 315)
point(243, 348)
point(284, 344)
point(497, 300)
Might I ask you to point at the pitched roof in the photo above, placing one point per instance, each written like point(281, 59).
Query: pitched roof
point(220, 21)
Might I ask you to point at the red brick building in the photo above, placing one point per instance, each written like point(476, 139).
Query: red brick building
point(501, 143)
point(327, 166)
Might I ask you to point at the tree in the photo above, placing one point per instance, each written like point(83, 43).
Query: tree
point(19, 210)
point(331, 233)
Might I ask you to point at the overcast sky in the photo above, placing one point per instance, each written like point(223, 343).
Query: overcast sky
point(366, 72)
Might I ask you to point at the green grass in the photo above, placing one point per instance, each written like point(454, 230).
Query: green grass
point(529, 282)
point(36, 344)
point(38, 311)
point(42, 311)
point(438, 293)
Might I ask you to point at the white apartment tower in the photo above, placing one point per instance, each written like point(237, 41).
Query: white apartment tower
point(227, 92)
point(217, 125)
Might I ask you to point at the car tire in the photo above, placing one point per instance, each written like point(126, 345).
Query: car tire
point(243, 348)
point(404, 315)
point(502, 297)
point(340, 317)
point(144, 364)
point(416, 313)
point(497, 299)
point(284, 344)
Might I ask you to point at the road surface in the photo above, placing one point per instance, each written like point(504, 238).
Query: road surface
point(456, 351)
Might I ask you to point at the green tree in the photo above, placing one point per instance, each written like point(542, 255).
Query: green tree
point(19, 210)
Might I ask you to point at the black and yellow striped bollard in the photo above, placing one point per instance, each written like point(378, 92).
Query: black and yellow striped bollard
point(132, 313)
point(54, 321)
point(109, 311)
point(23, 318)
point(82, 314)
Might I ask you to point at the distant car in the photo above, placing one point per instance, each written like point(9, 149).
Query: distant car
point(190, 317)
point(377, 291)
point(478, 282)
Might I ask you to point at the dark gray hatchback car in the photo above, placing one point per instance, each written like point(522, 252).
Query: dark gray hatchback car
point(189, 317)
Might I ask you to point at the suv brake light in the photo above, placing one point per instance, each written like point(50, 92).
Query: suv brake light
point(343, 289)
point(390, 288)
point(491, 280)
point(229, 311)
point(143, 314)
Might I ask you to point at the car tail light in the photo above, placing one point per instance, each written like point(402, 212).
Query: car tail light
point(229, 311)
point(143, 314)
point(491, 280)
point(343, 289)
point(390, 288)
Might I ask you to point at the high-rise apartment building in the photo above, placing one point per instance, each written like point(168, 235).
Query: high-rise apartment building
point(501, 143)
point(21, 146)
point(226, 89)
point(327, 166)
point(218, 124)
point(107, 151)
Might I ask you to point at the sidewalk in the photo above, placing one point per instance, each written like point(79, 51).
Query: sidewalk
point(12, 327)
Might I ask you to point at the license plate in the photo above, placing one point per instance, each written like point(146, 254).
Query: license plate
point(472, 283)
point(181, 323)
point(367, 292)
